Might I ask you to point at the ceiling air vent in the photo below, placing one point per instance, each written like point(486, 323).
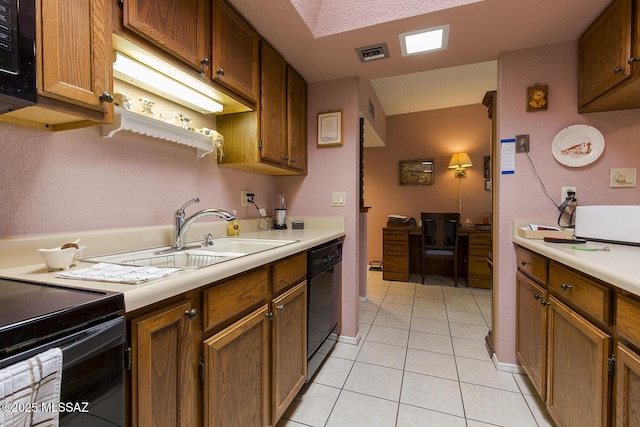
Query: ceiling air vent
point(373, 52)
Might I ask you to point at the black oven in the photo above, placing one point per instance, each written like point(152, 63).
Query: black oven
point(88, 328)
point(17, 54)
point(324, 282)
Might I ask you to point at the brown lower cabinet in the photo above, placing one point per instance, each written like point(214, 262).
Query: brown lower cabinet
point(565, 340)
point(232, 353)
point(164, 367)
point(578, 376)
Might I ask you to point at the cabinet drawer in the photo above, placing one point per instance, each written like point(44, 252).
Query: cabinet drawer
point(478, 267)
point(289, 271)
point(480, 239)
point(627, 318)
point(395, 261)
point(533, 265)
point(481, 250)
point(401, 234)
point(223, 301)
point(584, 293)
point(395, 245)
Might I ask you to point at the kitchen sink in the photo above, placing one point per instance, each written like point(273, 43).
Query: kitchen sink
point(197, 256)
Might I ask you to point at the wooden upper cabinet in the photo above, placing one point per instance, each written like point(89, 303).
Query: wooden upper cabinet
point(296, 121)
point(236, 49)
point(273, 125)
point(75, 53)
point(178, 27)
point(608, 60)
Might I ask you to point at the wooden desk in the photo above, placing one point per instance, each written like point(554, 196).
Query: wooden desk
point(401, 255)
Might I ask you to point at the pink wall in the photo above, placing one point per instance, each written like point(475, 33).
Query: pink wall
point(77, 180)
point(520, 196)
point(436, 135)
point(333, 169)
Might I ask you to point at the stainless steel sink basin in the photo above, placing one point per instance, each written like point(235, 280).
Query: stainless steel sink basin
point(223, 249)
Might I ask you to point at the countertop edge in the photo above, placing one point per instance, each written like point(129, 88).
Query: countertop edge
point(142, 295)
point(615, 266)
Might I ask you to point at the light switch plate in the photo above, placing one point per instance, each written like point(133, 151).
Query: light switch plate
point(338, 198)
point(623, 177)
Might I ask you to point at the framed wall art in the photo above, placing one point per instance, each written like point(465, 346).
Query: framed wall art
point(330, 129)
point(416, 172)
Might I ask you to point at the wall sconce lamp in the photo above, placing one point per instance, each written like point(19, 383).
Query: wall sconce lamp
point(175, 85)
point(459, 163)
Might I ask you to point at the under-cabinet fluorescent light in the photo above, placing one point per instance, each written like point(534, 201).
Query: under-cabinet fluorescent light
point(173, 87)
point(427, 40)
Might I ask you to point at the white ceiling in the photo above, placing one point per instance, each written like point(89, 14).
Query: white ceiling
point(319, 37)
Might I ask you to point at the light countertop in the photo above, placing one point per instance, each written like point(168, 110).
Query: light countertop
point(618, 266)
point(141, 295)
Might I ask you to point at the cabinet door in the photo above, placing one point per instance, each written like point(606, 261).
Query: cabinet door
point(178, 27)
point(75, 62)
point(165, 369)
point(236, 364)
point(289, 354)
point(603, 52)
point(297, 121)
point(236, 45)
point(578, 388)
point(273, 129)
point(627, 387)
point(531, 331)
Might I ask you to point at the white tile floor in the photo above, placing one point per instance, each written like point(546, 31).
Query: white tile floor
point(422, 361)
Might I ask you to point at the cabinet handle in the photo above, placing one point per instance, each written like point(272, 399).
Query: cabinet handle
point(106, 97)
point(536, 296)
point(220, 72)
point(191, 314)
point(544, 303)
point(566, 287)
point(632, 60)
point(293, 160)
point(286, 158)
point(280, 307)
point(204, 62)
point(269, 315)
point(618, 70)
point(523, 262)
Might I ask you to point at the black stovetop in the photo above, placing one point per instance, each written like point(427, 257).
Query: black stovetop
point(32, 312)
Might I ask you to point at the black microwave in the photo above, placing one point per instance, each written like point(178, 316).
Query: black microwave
point(17, 54)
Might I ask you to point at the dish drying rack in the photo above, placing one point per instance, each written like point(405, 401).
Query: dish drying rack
point(171, 261)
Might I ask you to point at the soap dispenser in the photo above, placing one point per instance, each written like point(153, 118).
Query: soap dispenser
point(233, 226)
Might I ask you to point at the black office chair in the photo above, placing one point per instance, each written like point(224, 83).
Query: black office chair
point(439, 239)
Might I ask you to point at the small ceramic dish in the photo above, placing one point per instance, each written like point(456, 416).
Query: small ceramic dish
point(58, 259)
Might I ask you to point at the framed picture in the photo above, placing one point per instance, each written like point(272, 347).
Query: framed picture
point(537, 98)
point(416, 172)
point(487, 167)
point(330, 128)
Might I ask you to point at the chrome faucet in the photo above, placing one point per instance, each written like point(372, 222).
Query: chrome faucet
point(181, 225)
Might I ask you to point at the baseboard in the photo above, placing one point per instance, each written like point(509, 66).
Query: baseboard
point(506, 367)
point(350, 340)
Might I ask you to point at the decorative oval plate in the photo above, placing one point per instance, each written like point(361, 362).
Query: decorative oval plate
point(577, 145)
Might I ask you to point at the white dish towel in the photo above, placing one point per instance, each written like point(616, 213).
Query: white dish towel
point(29, 387)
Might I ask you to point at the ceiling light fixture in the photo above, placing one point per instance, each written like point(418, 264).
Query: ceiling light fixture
point(427, 40)
point(179, 87)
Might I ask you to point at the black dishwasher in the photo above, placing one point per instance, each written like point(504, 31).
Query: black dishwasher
point(324, 282)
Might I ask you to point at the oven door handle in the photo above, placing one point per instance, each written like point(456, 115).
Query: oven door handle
point(94, 341)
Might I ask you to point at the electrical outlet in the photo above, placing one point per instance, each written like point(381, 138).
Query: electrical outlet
point(522, 143)
point(566, 190)
point(243, 198)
